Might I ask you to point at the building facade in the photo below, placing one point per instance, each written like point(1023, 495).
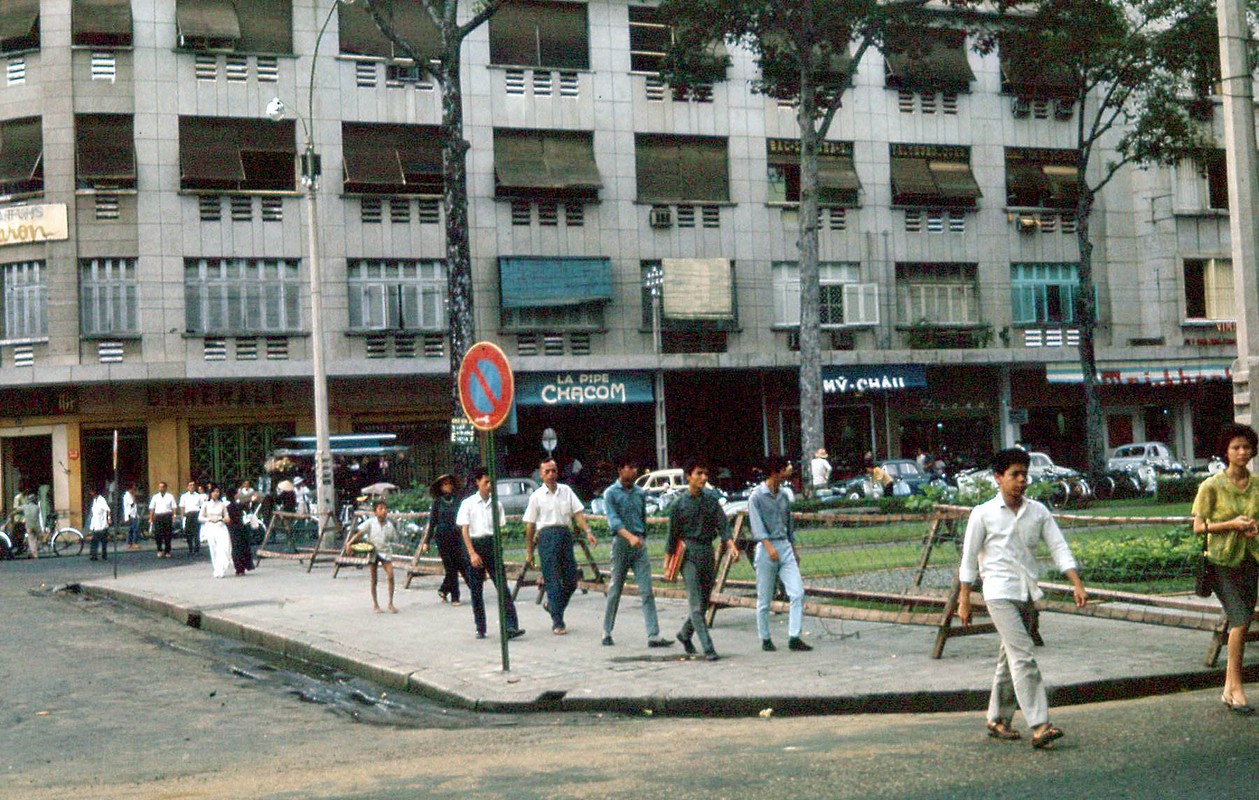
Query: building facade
point(154, 272)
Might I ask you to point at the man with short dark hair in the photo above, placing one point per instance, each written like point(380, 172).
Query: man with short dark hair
point(627, 520)
point(475, 519)
point(161, 519)
point(695, 519)
point(552, 512)
point(769, 513)
point(1000, 545)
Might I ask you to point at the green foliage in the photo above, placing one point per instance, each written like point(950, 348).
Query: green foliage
point(886, 505)
point(410, 500)
point(1178, 490)
point(1135, 557)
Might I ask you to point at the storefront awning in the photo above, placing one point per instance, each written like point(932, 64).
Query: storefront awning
point(101, 22)
point(698, 289)
point(583, 388)
point(17, 18)
point(873, 378)
point(537, 282)
point(1146, 373)
point(204, 20)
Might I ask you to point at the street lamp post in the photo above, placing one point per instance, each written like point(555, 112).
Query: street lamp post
point(653, 280)
point(311, 170)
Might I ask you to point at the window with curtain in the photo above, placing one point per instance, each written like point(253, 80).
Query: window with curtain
point(109, 297)
point(1209, 289)
point(242, 296)
point(937, 294)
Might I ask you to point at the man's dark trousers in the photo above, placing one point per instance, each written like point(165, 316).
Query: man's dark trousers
point(559, 570)
point(484, 548)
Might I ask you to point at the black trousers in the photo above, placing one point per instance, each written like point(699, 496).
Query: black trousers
point(454, 562)
point(476, 584)
point(163, 531)
point(192, 531)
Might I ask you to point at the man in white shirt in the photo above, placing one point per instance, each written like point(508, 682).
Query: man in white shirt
point(131, 516)
point(190, 505)
point(820, 469)
point(1000, 546)
point(98, 525)
point(552, 511)
point(476, 521)
point(162, 519)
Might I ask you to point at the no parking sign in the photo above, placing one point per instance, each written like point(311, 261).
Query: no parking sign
point(486, 386)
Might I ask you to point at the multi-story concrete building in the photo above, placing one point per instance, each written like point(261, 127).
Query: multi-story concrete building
point(154, 269)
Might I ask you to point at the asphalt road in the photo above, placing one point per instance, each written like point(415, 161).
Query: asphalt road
point(102, 701)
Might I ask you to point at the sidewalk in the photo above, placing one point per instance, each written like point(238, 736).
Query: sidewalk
point(430, 648)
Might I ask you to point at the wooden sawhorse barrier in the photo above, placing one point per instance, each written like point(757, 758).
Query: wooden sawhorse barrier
point(282, 526)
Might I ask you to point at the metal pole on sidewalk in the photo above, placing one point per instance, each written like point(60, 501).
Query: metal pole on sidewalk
point(500, 574)
point(114, 503)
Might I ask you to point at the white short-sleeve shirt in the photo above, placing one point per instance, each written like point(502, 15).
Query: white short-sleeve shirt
point(475, 513)
point(162, 503)
point(549, 509)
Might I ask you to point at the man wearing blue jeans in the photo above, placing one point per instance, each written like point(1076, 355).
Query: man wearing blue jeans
point(552, 511)
point(769, 512)
point(627, 520)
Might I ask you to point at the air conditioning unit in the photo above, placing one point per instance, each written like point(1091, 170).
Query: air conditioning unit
point(660, 217)
point(1063, 108)
point(1021, 107)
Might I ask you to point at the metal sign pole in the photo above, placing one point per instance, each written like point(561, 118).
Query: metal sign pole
point(500, 574)
point(114, 503)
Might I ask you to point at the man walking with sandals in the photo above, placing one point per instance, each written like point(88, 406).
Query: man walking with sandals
point(1000, 545)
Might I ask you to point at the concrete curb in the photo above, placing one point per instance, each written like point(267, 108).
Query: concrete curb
point(399, 678)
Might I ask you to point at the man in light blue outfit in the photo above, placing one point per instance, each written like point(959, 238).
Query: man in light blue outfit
point(769, 512)
point(627, 520)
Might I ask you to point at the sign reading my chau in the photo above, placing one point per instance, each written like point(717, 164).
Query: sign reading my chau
point(582, 388)
point(889, 378)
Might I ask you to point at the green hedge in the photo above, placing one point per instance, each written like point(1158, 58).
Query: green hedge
point(1178, 490)
point(1135, 557)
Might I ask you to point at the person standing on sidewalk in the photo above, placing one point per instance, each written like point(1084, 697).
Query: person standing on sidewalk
point(820, 469)
point(443, 529)
point(695, 520)
point(476, 524)
point(552, 512)
point(1225, 512)
point(769, 513)
point(627, 520)
point(190, 506)
point(98, 525)
point(378, 531)
point(162, 519)
point(213, 524)
point(999, 546)
point(131, 516)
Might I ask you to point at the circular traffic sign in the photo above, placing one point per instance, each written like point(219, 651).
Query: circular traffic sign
point(486, 386)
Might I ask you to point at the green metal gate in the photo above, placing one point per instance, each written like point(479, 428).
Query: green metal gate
point(228, 454)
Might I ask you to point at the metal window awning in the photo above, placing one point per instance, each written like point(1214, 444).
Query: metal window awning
point(954, 180)
point(105, 147)
point(698, 289)
point(933, 60)
point(542, 282)
point(837, 173)
point(17, 18)
point(207, 19)
point(21, 147)
point(380, 157)
point(1028, 72)
point(101, 21)
point(911, 177)
point(551, 161)
point(210, 147)
point(359, 34)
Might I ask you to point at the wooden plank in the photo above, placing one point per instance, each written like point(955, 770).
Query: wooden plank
point(723, 570)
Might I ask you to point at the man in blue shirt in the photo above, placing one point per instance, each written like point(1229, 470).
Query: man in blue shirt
point(769, 512)
point(627, 521)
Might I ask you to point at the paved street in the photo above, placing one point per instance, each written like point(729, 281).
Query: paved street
point(103, 700)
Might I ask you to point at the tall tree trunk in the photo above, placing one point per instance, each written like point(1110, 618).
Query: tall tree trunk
point(811, 412)
point(1086, 318)
point(464, 458)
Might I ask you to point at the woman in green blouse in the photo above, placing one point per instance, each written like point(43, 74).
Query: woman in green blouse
point(1225, 511)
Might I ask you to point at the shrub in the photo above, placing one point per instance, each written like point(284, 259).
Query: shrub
point(1135, 557)
point(1178, 489)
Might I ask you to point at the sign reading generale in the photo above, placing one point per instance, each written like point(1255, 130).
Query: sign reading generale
point(26, 224)
point(582, 388)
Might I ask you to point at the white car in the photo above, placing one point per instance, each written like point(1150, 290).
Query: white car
point(661, 481)
point(1138, 454)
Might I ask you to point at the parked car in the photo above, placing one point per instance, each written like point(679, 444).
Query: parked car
point(661, 480)
point(907, 470)
point(1155, 454)
point(514, 493)
point(1043, 468)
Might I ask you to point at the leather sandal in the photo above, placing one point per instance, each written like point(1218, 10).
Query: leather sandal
point(1047, 735)
point(1000, 729)
point(1237, 708)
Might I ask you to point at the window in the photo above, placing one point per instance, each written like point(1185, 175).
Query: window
point(545, 164)
point(536, 34)
point(1028, 73)
point(1044, 293)
point(109, 293)
point(105, 151)
point(25, 300)
point(392, 159)
point(937, 294)
point(1039, 178)
point(236, 154)
point(21, 156)
point(844, 300)
point(101, 23)
point(696, 294)
point(242, 296)
point(1209, 289)
point(927, 60)
point(1202, 184)
point(650, 40)
point(19, 26)
point(681, 169)
point(837, 183)
point(933, 176)
point(397, 295)
point(359, 35)
point(553, 294)
point(245, 26)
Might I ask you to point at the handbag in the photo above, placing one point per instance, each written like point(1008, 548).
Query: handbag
point(673, 561)
point(1203, 575)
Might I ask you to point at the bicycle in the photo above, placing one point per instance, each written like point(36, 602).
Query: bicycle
point(66, 540)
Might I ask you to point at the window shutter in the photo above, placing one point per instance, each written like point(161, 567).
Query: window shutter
point(861, 304)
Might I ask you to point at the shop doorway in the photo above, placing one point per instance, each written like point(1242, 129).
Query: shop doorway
point(26, 463)
point(98, 458)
